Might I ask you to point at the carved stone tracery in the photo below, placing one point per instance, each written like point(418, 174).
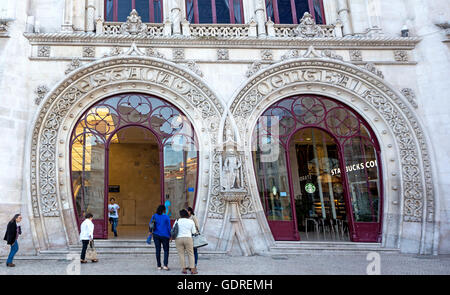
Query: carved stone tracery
point(44, 189)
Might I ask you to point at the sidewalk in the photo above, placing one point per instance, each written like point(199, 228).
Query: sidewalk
point(307, 264)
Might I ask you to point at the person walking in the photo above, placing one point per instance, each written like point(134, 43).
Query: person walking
point(86, 235)
point(13, 230)
point(184, 242)
point(161, 235)
point(197, 227)
point(113, 215)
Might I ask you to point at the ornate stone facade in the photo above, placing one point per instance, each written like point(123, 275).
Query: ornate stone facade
point(239, 71)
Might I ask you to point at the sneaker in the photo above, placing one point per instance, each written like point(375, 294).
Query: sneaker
point(159, 267)
point(10, 265)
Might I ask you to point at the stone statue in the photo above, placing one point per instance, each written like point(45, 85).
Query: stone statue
point(231, 171)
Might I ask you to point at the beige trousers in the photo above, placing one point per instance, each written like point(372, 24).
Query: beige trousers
point(185, 244)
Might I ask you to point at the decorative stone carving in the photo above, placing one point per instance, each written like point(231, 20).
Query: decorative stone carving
point(355, 55)
point(410, 96)
point(3, 28)
point(417, 184)
point(74, 64)
point(133, 25)
point(41, 91)
point(74, 88)
point(115, 51)
point(253, 68)
point(154, 53)
point(178, 54)
point(267, 55)
point(88, 51)
point(330, 54)
point(401, 55)
point(292, 53)
point(222, 54)
point(371, 68)
point(192, 65)
point(308, 27)
point(44, 51)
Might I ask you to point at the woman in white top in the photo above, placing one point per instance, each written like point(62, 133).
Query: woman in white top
point(184, 242)
point(86, 235)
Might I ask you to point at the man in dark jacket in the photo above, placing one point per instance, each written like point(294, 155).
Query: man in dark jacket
point(12, 234)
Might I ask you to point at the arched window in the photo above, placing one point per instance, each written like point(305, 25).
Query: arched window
point(318, 169)
point(215, 11)
point(150, 11)
point(290, 11)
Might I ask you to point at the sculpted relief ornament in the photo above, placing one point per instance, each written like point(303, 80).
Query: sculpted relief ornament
point(126, 70)
point(133, 25)
point(417, 182)
point(308, 27)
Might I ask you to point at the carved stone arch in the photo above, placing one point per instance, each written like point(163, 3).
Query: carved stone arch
point(50, 190)
point(409, 219)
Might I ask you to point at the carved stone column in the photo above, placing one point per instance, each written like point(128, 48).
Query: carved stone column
point(67, 25)
point(344, 16)
point(260, 18)
point(233, 229)
point(175, 17)
point(90, 16)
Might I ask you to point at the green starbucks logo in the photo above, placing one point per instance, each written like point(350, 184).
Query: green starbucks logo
point(310, 188)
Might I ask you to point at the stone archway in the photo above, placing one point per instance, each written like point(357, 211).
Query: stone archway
point(409, 209)
point(53, 221)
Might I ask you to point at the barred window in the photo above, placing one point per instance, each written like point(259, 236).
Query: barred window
point(150, 11)
point(291, 11)
point(215, 11)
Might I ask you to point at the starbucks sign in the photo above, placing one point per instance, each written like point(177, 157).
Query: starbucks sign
point(310, 188)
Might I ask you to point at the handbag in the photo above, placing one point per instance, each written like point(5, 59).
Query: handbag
point(174, 231)
point(152, 225)
point(91, 253)
point(199, 240)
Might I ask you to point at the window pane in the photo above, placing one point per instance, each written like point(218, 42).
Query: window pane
point(320, 19)
point(301, 6)
point(362, 172)
point(157, 10)
point(109, 10)
point(190, 11)
point(269, 10)
point(223, 11)
point(88, 162)
point(273, 177)
point(238, 19)
point(124, 10)
point(180, 178)
point(142, 7)
point(285, 11)
point(205, 12)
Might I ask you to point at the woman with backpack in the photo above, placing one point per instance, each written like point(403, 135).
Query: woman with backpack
point(159, 227)
point(184, 242)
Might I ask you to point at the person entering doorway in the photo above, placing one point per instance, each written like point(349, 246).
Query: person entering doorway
point(113, 215)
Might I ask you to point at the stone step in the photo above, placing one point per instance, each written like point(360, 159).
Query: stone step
point(308, 247)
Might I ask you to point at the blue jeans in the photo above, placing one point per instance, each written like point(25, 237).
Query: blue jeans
point(114, 223)
point(14, 249)
point(195, 256)
point(165, 243)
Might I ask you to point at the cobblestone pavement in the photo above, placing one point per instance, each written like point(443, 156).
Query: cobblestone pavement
point(305, 264)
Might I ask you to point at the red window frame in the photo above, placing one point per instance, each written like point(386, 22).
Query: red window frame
point(296, 18)
point(133, 6)
point(213, 8)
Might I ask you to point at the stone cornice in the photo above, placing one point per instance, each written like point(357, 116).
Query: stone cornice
point(241, 42)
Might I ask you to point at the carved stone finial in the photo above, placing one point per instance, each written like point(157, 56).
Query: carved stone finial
point(253, 68)
point(410, 96)
point(74, 64)
point(192, 65)
point(308, 27)
point(41, 92)
point(371, 68)
point(133, 25)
